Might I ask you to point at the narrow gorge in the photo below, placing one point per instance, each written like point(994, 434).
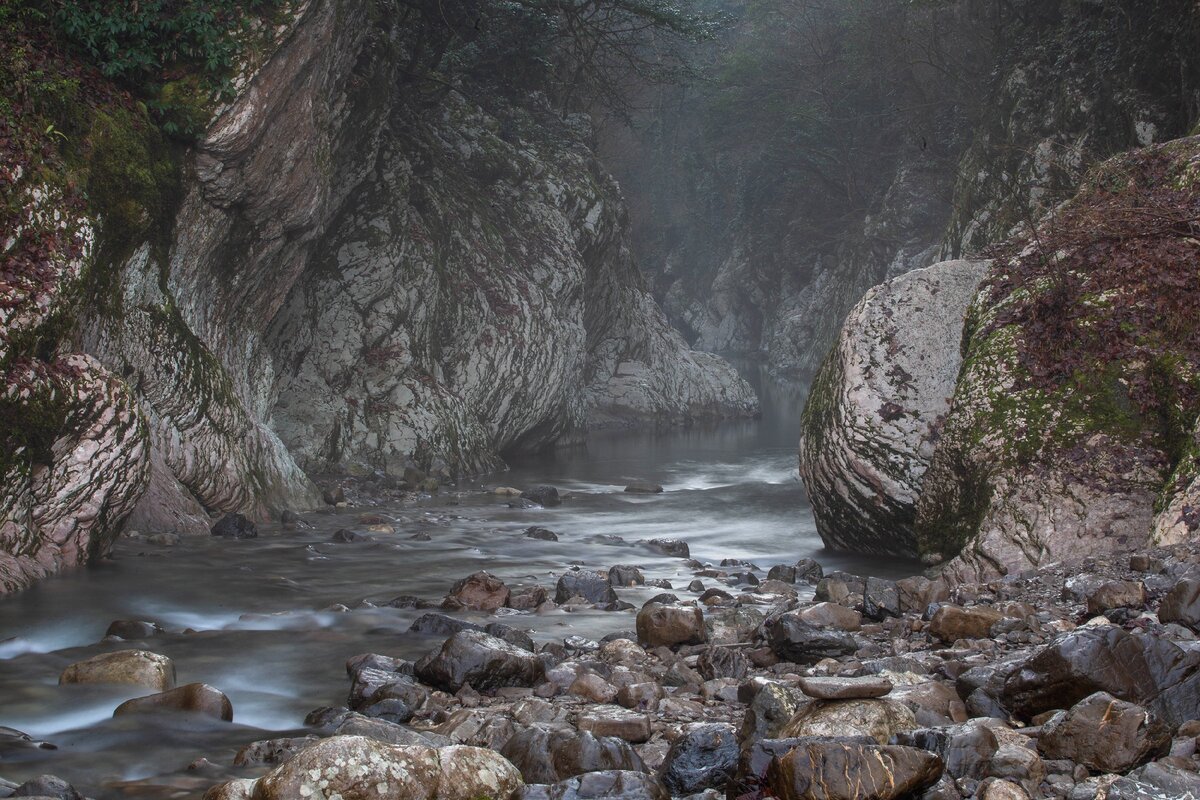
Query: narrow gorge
point(573, 399)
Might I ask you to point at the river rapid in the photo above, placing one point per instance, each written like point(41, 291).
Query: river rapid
point(266, 621)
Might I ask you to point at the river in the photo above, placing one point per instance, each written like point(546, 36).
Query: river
point(255, 619)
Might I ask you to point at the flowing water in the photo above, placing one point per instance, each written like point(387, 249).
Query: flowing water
point(254, 618)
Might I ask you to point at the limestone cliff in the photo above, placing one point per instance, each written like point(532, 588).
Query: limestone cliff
point(335, 274)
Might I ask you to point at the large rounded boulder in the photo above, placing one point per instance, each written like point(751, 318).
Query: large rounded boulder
point(868, 427)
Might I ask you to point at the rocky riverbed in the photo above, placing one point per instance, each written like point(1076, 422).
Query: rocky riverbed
point(735, 677)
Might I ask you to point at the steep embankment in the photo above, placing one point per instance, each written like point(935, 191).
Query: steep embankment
point(333, 275)
point(1073, 425)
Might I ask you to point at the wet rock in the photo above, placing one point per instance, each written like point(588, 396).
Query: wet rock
point(845, 688)
point(917, 593)
point(1105, 734)
point(47, 786)
point(134, 667)
point(482, 660)
point(831, 615)
point(510, 634)
point(364, 769)
point(782, 572)
point(134, 629)
point(1155, 782)
point(793, 639)
point(879, 719)
point(966, 749)
point(522, 503)
point(434, 624)
point(641, 487)
point(670, 625)
point(548, 754)
point(333, 496)
point(199, 698)
point(480, 591)
point(585, 583)
point(609, 720)
point(1116, 594)
point(605, 785)
point(830, 770)
point(542, 495)
point(272, 751)
point(880, 599)
point(544, 534)
point(768, 712)
point(420, 536)
point(1148, 670)
point(240, 789)
point(669, 547)
point(234, 526)
point(640, 696)
point(696, 585)
point(622, 650)
point(841, 588)
point(593, 687)
point(1181, 604)
point(369, 688)
point(528, 598)
point(998, 789)
point(705, 756)
point(809, 571)
point(625, 575)
point(381, 730)
point(349, 536)
point(722, 662)
point(732, 625)
point(951, 622)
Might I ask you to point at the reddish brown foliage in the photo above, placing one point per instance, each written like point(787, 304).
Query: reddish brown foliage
point(1113, 281)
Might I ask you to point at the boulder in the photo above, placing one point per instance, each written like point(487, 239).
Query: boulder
point(1182, 604)
point(867, 431)
point(548, 753)
point(626, 575)
point(605, 785)
point(434, 624)
point(585, 583)
point(831, 770)
point(198, 698)
point(1105, 734)
point(1116, 594)
point(365, 769)
point(669, 547)
point(670, 625)
point(831, 615)
point(480, 591)
point(546, 496)
point(133, 629)
point(47, 787)
point(722, 662)
point(1149, 670)
point(881, 599)
point(879, 719)
point(793, 639)
point(544, 534)
point(768, 712)
point(704, 756)
point(481, 660)
point(234, 526)
point(951, 623)
point(134, 667)
point(272, 751)
point(608, 720)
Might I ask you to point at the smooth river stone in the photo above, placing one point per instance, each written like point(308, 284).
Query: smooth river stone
point(845, 688)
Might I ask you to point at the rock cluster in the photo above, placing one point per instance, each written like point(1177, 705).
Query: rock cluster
point(1069, 682)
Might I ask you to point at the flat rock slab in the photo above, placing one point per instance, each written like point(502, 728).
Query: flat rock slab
point(845, 688)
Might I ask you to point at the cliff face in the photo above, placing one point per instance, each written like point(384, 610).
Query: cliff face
point(766, 236)
point(342, 278)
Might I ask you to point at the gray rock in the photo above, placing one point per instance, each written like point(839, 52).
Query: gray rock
point(845, 688)
point(549, 754)
point(1105, 734)
point(705, 756)
point(881, 391)
point(795, 640)
point(585, 583)
point(481, 660)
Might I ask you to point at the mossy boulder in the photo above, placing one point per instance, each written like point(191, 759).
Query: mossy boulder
point(1073, 420)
